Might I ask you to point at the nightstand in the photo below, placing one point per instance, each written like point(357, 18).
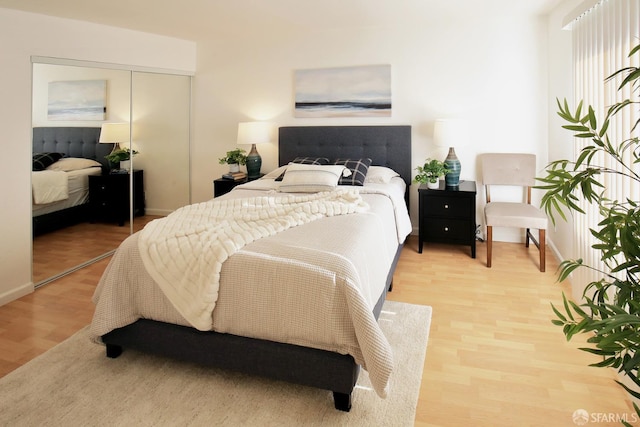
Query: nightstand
point(223, 186)
point(448, 215)
point(109, 196)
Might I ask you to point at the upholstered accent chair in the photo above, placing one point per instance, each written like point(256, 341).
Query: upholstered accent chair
point(512, 169)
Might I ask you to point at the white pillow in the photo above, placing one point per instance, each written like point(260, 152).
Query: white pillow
point(276, 173)
point(301, 178)
point(68, 164)
point(380, 175)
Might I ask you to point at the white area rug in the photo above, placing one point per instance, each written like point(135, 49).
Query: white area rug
point(74, 384)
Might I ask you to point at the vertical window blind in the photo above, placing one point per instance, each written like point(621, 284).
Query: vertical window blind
point(602, 39)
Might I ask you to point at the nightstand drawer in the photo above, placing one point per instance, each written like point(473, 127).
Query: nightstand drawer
point(445, 230)
point(447, 206)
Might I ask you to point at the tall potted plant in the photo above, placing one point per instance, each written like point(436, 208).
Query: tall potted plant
point(610, 314)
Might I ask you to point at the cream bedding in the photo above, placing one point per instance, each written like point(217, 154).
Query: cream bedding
point(184, 251)
point(313, 285)
point(49, 186)
point(78, 185)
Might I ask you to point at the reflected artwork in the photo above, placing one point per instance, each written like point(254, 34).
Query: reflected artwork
point(77, 100)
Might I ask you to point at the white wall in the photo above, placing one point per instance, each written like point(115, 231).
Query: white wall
point(488, 68)
point(25, 35)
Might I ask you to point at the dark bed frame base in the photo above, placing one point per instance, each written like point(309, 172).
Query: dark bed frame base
point(286, 362)
point(60, 219)
point(385, 145)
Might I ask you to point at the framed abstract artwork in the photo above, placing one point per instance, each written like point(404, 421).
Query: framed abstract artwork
point(363, 91)
point(77, 100)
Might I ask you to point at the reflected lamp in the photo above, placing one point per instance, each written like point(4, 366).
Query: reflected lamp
point(114, 133)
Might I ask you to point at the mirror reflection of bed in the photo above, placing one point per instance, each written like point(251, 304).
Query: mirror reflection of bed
point(66, 234)
point(157, 104)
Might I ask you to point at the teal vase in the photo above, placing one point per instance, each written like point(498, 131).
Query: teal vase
point(254, 163)
point(452, 179)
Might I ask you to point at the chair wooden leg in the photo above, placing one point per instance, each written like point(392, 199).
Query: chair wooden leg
point(541, 247)
point(489, 244)
point(526, 238)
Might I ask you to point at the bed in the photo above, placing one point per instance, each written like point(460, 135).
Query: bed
point(72, 143)
point(278, 295)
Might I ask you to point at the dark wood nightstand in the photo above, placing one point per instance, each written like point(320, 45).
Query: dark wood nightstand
point(223, 186)
point(448, 215)
point(109, 196)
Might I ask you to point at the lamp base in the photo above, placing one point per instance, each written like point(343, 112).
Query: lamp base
point(452, 178)
point(254, 163)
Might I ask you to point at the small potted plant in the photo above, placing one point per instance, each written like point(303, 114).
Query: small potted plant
point(234, 159)
point(431, 172)
point(119, 156)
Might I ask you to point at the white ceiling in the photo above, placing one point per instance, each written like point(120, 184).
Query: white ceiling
point(206, 19)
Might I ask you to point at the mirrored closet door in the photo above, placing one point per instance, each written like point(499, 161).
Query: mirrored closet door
point(118, 199)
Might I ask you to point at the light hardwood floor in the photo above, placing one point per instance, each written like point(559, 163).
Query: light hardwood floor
point(58, 251)
point(493, 356)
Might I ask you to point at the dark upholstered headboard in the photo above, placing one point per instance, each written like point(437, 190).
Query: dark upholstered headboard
point(388, 146)
point(72, 141)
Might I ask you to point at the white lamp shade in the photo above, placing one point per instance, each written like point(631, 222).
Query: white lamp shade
point(450, 133)
point(114, 133)
point(254, 132)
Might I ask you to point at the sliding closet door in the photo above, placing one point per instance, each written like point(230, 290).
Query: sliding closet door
point(160, 134)
point(64, 250)
point(157, 106)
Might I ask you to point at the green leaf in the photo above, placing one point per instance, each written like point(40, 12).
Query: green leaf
point(566, 307)
point(560, 316)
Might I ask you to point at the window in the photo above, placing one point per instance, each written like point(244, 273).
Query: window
point(602, 38)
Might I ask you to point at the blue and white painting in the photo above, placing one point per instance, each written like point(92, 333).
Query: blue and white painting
point(77, 100)
point(363, 91)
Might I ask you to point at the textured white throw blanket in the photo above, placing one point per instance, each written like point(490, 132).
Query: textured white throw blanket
point(184, 252)
point(49, 186)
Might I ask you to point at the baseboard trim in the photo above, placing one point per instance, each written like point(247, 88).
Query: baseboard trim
point(16, 293)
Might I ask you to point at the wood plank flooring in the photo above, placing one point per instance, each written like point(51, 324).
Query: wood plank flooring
point(59, 250)
point(493, 357)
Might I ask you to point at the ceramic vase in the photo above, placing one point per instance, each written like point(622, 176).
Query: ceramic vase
point(452, 179)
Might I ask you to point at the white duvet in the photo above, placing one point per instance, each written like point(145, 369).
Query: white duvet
point(184, 252)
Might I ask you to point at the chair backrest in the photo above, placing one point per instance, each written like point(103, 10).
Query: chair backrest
point(517, 169)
